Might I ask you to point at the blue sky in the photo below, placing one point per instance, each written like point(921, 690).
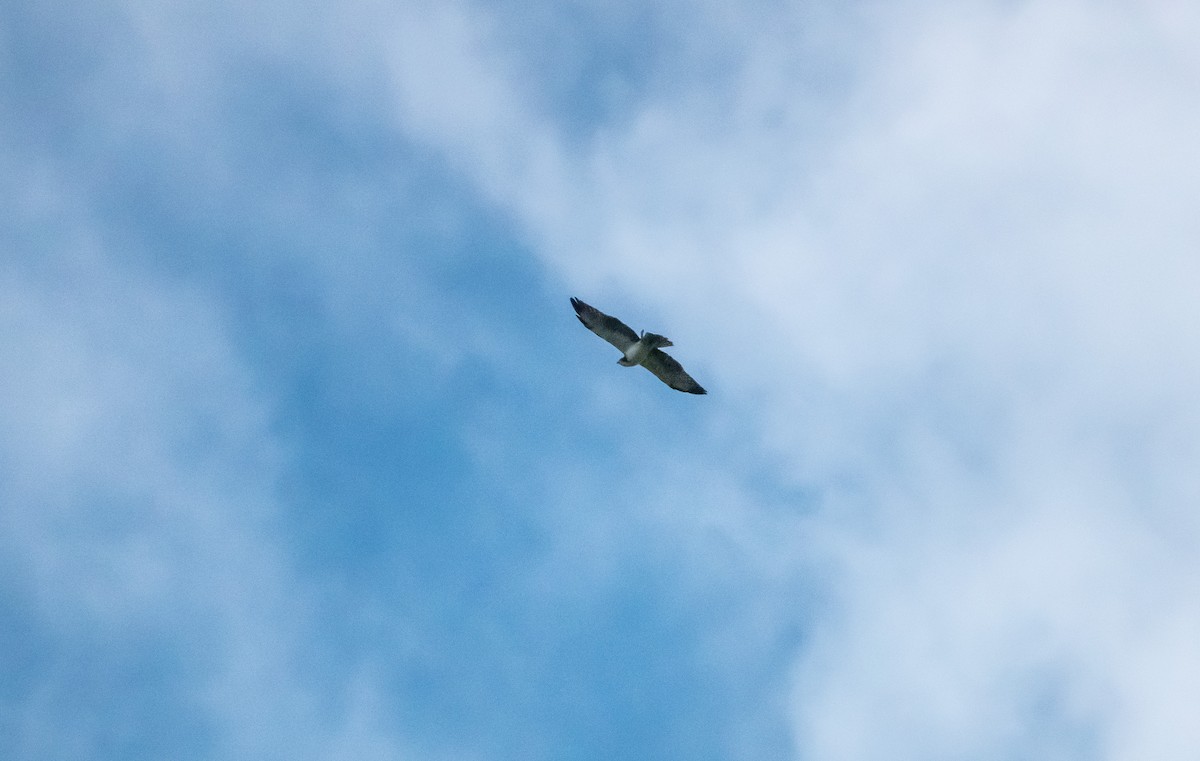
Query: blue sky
point(305, 455)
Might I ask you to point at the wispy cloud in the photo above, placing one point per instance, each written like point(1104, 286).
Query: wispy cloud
point(978, 262)
point(141, 484)
point(284, 410)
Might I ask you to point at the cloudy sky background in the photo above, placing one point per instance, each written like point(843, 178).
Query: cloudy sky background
point(305, 456)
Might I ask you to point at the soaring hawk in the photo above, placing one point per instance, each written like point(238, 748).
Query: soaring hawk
point(638, 348)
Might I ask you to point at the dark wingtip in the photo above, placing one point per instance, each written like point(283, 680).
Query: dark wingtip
point(579, 307)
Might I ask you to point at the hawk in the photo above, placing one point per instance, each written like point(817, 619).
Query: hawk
point(639, 348)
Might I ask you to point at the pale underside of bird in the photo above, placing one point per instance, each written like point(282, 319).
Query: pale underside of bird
point(639, 348)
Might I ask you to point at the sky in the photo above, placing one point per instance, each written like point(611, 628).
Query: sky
point(304, 455)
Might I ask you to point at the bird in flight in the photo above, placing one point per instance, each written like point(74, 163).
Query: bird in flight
point(639, 349)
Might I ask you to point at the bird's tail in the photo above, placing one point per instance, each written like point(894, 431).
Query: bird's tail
point(656, 340)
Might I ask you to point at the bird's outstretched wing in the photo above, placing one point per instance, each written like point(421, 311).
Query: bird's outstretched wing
point(671, 372)
point(610, 329)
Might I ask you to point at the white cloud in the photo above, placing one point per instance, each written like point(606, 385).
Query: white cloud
point(980, 265)
point(938, 259)
point(140, 472)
